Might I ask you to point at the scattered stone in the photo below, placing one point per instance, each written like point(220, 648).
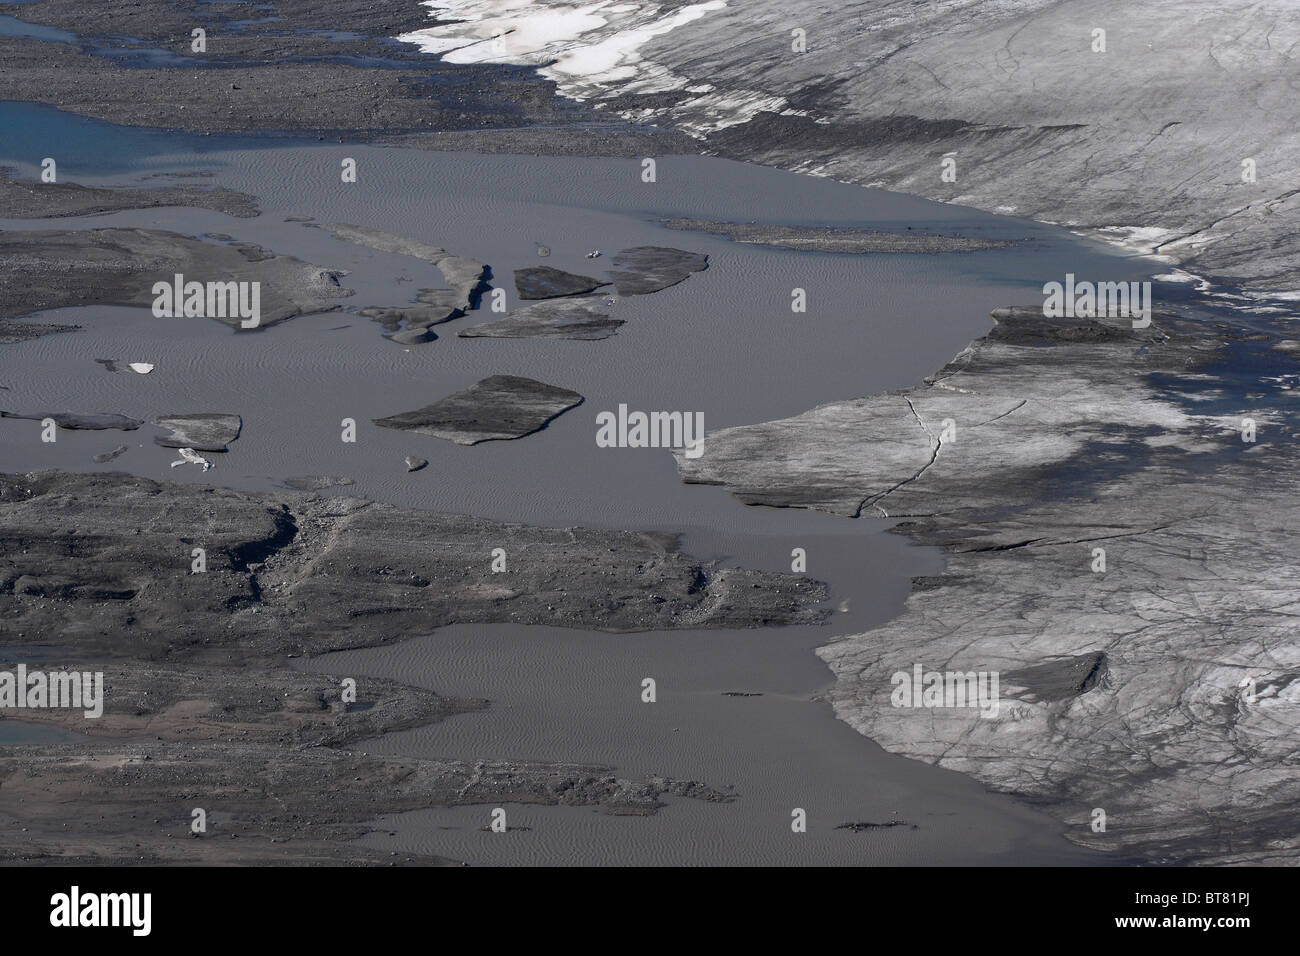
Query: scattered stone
point(415, 464)
point(496, 408)
point(202, 431)
point(543, 251)
point(543, 282)
point(645, 269)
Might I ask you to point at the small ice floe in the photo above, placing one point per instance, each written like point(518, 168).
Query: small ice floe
point(190, 457)
point(115, 365)
point(594, 254)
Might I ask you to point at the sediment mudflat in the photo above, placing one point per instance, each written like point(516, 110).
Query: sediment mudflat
point(22, 199)
point(841, 240)
point(210, 630)
point(55, 269)
point(497, 408)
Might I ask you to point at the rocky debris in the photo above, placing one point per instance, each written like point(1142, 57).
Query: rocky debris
point(201, 431)
point(543, 282)
point(1159, 684)
point(837, 240)
point(105, 456)
point(13, 332)
point(645, 269)
point(577, 317)
point(496, 408)
point(22, 199)
point(318, 482)
point(415, 464)
point(1060, 679)
point(75, 421)
point(59, 269)
point(543, 251)
point(308, 574)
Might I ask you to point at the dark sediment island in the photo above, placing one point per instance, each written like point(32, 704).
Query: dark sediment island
point(314, 69)
point(197, 655)
point(20, 199)
point(582, 317)
point(497, 408)
point(57, 269)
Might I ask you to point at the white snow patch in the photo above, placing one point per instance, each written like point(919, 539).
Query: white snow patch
point(592, 51)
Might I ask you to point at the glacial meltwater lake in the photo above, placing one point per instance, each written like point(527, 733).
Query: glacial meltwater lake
point(724, 342)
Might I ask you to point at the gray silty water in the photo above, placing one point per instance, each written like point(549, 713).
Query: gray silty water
point(723, 342)
point(572, 696)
